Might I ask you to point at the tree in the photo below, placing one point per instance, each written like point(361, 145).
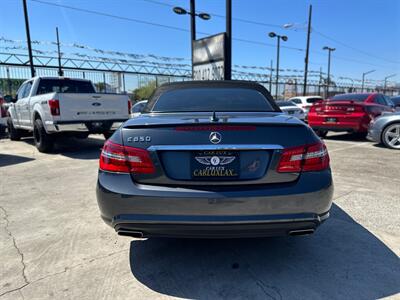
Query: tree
point(145, 91)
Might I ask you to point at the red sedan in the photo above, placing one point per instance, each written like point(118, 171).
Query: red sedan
point(347, 112)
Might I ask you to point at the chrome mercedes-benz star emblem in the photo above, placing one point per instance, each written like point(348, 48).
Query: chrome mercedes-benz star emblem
point(215, 137)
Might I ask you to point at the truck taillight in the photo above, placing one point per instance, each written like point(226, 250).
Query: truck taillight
point(124, 159)
point(54, 106)
point(129, 106)
point(305, 158)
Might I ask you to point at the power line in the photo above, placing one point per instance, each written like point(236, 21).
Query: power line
point(280, 26)
point(153, 23)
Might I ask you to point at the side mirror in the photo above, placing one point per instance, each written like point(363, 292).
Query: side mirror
point(9, 98)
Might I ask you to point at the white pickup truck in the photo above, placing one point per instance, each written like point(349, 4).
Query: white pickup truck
point(52, 106)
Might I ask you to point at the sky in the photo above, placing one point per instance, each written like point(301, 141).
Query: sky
point(365, 33)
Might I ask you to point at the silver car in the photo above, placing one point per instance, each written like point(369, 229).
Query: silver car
point(386, 129)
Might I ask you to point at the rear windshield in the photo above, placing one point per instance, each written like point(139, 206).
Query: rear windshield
point(64, 86)
point(285, 103)
point(313, 100)
point(212, 99)
point(352, 97)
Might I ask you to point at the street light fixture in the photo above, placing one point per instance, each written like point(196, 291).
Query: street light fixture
point(386, 78)
point(329, 68)
point(279, 38)
point(181, 11)
point(363, 79)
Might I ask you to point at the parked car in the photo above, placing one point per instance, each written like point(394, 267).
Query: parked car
point(347, 112)
point(305, 102)
point(214, 159)
point(50, 106)
point(396, 102)
point(137, 108)
point(3, 115)
point(386, 129)
point(291, 109)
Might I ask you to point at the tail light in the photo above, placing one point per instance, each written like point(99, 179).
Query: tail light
point(316, 108)
point(129, 106)
point(355, 109)
point(305, 158)
point(3, 112)
point(54, 107)
point(125, 159)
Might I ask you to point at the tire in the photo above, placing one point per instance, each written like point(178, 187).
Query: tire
point(2, 131)
point(361, 135)
point(391, 136)
point(107, 134)
point(12, 131)
point(43, 141)
point(321, 133)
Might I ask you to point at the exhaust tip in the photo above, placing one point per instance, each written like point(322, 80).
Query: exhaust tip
point(135, 234)
point(301, 232)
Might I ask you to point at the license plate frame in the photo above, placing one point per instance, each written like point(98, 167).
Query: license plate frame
point(215, 165)
point(331, 120)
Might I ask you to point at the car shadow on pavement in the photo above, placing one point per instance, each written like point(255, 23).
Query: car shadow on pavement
point(342, 260)
point(8, 159)
point(88, 148)
point(346, 137)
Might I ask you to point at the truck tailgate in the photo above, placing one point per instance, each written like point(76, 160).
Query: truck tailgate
point(87, 107)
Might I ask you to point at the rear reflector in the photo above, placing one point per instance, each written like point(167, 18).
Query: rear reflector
point(305, 158)
point(54, 106)
point(125, 159)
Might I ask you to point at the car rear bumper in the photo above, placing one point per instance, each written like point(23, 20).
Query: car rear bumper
point(83, 126)
point(156, 211)
point(350, 124)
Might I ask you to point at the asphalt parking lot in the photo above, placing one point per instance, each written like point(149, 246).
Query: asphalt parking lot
point(53, 243)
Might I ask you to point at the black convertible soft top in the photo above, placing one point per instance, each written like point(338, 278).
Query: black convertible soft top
point(209, 84)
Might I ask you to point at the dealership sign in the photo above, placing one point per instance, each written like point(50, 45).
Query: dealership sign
point(209, 58)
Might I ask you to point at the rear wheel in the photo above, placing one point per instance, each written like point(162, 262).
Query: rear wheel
point(361, 135)
point(43, 141)
point(12, 131)
point(391, 136)
point(321, 133)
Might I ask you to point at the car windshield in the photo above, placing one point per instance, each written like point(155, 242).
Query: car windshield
point(212, 99)
point(313, 100)
point(352, 97)
point(64, 86)
point(285, 103)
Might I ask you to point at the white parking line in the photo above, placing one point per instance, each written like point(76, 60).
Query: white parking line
point(354, 145)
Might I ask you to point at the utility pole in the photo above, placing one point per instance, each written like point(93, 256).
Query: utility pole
point(277, 69)
point(228, 42)
point(192, 21)
point(270, 77)
point(60, 71)
point(363, 79)
point(307, 51)
point(28, 38)
point(320, 81)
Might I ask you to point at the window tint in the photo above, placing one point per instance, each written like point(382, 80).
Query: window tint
point(313, 100)
point(211, 99)
point(396, 100)
point(64, 86)
point(27, 89)
point(380, 100)
point(285, 103)
point(21, 91)
point(138, 107)
point(352, 97)
point(296, 100)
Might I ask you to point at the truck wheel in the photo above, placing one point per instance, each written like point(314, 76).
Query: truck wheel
point(321, 133)
point(43, 141)
point(12, 131)
point(107, 134)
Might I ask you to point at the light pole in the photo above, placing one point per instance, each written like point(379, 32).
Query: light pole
point(278, 37)
point(193, 15)
point(386, 78)
point(363, 79)
point(28, 38)
point(329, 68)
point(60, 71)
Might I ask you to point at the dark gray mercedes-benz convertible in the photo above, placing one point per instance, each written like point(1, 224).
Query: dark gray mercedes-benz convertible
point(214, 159)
